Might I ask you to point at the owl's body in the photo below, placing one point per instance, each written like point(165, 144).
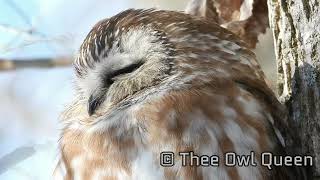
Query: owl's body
point(152, 81)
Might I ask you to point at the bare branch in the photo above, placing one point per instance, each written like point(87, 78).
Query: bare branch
point(34, 63)
point(19, 11)
point(13, 158)
point(29, 33)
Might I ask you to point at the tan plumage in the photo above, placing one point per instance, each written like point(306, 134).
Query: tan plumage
point(150, 81)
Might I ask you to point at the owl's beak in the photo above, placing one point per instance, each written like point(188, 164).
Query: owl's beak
point(95, 100)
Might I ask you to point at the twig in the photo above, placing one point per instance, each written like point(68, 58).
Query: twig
point(19, 11)
point(34, 63)
point(29, 33)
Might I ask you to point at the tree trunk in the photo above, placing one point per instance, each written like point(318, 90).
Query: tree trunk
point(296, 29)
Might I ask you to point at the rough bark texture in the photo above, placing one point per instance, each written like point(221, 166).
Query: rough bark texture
point(296, 28)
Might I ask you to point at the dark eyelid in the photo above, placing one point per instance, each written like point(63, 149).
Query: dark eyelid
point(108, 78)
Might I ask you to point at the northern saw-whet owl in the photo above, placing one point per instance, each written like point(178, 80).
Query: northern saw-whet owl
point(152, 81)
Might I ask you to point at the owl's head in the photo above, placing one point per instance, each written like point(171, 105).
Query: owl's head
point(126, 55)
point(120, 57)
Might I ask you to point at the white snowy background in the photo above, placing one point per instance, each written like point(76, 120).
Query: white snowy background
point(31, 99)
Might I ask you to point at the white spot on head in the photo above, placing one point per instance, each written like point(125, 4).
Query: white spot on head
point(141, 43)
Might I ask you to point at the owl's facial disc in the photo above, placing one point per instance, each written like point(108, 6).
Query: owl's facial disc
point(135, 59)
point(98, 96)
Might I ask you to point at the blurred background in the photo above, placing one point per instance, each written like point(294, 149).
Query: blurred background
point(44, 35)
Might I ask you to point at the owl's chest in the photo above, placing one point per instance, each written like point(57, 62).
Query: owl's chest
point(129, 147)
point(111, 154)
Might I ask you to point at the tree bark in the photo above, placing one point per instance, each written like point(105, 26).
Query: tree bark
point(296, 29)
